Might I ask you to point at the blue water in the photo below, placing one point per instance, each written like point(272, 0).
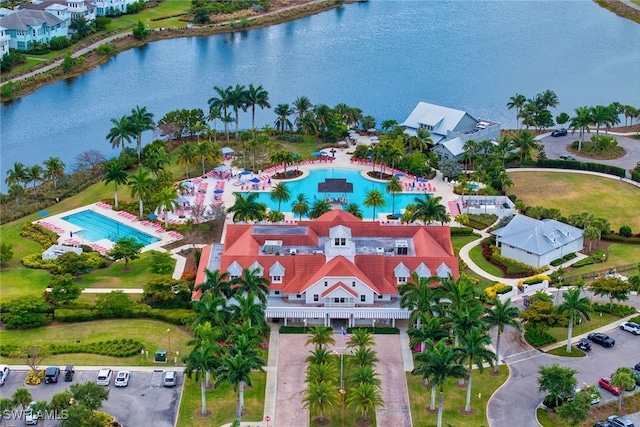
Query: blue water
point(97, 227)
point(361, 186)
point(382, 56)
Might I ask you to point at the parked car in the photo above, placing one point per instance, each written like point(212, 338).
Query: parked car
point(602, 424)
point(567, 157)
point(605, 383)
point(51, 374)
point(602, 339)
point(122, 379)
point(630, 388)
point(636, 374)
point(637, 367)
point(4, 372)
point(584, 344)
point(30, 416)
point(595, 397)
point(170, 379)
point(559, 132)
point(632, 327)
point(104, 376)
point(617, 421)
point(68, 373)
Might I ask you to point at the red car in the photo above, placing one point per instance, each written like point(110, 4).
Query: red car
point(605, 383)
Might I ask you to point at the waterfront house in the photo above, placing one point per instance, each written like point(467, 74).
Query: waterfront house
point(26, 27)
point(334, 268)
point(112, 7)
point(449, 128)
point(4, 41)
point(537, 242)
point(75, 7)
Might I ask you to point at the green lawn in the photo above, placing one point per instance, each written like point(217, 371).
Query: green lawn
point(617, 254)
point(575, 193)
point(484, 385)
point(115, 276)
point(165, 8)
point(152, 333)
point(560, 333)
point(476, 255)
point(221, 403)
point(460, 241)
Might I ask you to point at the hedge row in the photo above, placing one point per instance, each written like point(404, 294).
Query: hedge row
point(382, 330)
point(39, 234)
point(594, 167)
point(567, 257)
point(35, 261)
point(538, 338)
point(461, 231)
point(114, 348)
point(176, 316)
point(616, 309)
point(296, 329)
point(622, 239)
point(515, 268)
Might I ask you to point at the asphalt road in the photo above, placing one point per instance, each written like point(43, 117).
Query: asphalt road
point(144, 402)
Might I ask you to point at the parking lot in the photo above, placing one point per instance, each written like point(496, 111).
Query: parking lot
point(144, 402)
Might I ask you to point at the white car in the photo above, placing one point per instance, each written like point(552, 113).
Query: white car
point(122, 379)
point(632, 327)
point(104, 376)
point(31, 417)
point(4, 372)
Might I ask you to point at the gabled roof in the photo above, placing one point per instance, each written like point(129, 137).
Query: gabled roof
point(441, 119)
point(455, 146)
point(339, 285)
point(536, 236)
point(337, 267)
point(26, 19)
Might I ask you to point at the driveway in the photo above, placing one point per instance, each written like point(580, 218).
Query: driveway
point(557, 146)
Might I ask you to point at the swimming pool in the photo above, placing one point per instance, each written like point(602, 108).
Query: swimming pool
point(309, 187)
point(96, 227)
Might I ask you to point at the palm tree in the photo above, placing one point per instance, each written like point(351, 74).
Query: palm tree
point(237, 99)
point(321, 396)
point(581, 122)
point(35, 174)
point(115, 172)
point(365, 397)
point(187, 154)
point(197, 363)
point(318, 356)
point(364, 356)
point(5, 405)
point(246, 208)
point(16, 191)
point(256, 96)
point(474, 349)
point(301, 205)
point(246, 310)
point(121, 132)
point(430, 209)
point(156, 158)
point(573, 308)
point(214, 114)
point(364, 374)
point(301, 106)
point(21, 397)
point(517, 101)
point(251, 282)
point(439, 363)
point(206, 150)
point(308, 124)
point(430, 327)
point(599, 115)
point(141, 120)
point(227, 119)
point(360, 338)
point(592, 234)
point(319, 208)
point(389, 124)
point(167, 202)
point(502, 314)
point(283, 122)
point(320, 337)
point(221, 103)
point(354, 209)
point(217, 282)
point(212, 309)
point(525, 141)
point(18, 175)
point(237, 370)
point(374, 199)
point(280, 193)
point(623, 379)
point(54, 169)
point(393, 187)
point(141, 184)
point(322, 115)
point(418, 296)
point(322, 373)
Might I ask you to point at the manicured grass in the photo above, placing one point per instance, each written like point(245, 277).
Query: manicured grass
point(617, 254)
point(460, 241)
point(152, 333)
point(575, 193)
point(221, 403)
point(476, 255)
point(543, 418)
point(115, 276)
point(562, 351)
point(484, 385)
point(560, 333)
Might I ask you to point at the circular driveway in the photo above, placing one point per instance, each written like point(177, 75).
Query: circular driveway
point(557, 146)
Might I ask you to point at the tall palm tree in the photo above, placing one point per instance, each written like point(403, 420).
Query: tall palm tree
point(214, 114)
point(21, 397)
point(319, 208)
point(205, 150)
point(301, 105)
point(245, 309)
point(517, 101)
point(282, 122)
point(322, 114)
point(322, 372)
point(121, 132)
point(364, 374)
point(581, 122)
point(16, 191)
point(35, 173)
point(213, 309)
point(54, 170)
point(365, 397)
point(141, 120)
point(430, 327)
point(141, 184)
point(374, 199)
point(237, 99)
point(430, 209)
point(156, 158)
point(354, 209)
point(420, 297)
point(301, 205)
point(221, 103)
point(19, 174)
point(393, 187)
point(246, 208)
point(187, 154)
point(198, 362)
point(573, 308)
point(307, 124)
point(115, 172)
point(525, 141)
point(217, 282)
point(320, 337)
point(502, 314)
point(236, 370)
point(599, 116)
point(280, 193)
point(167, 202)
point(256, 96)
point(474, 343)
point(251, 282)
point(360, 338)
point(5, 405)
point(320, 397)
point(437, 365)
point(319, 355)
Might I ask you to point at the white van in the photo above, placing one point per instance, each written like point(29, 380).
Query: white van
point(104, 376)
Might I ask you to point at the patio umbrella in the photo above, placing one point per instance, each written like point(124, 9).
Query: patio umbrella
point(399, 174)
point(227, 150)
point(256, 180)
point(245, 173)
point(188, 184)
point(152, 216)
point(182, 200)
point(43, 213)
point(342, 142)
point(218, 191)
point(322, 153)
point(422, 180)
point(317, 153)
point(371, 130)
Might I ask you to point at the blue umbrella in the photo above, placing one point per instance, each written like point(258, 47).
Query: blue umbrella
point(322, 153)
point(317, 153)
point(422, 180)
point(397, 214)
point(399, 174)
point(256, 180)
point(218, 191)
point(43, 213)
point(182, 200)
point(245, 173)
point(152, 216)
point(188, 184)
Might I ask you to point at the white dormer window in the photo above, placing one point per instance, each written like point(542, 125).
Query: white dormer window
point(276, 272)
point(234, 270)
point(256, 266)
point(444, 271)
point(276, 279)
point(423, 271)
point(401, 272)
point(340, 241)
point(402, 280)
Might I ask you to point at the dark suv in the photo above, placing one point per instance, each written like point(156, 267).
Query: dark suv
point(559, 132)
point(68, 373)
point(51, 374)
point(602, 339)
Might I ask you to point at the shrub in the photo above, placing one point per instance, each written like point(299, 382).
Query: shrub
point(106, 49)
point(384, 330)
point(635, 319)
point(480, 221)
point(461, 231)
point(615, 309)
point(66, 315)
point(60, 42)
point(36, 261)
point(177, 316)
point(101, 23)
point(492, 291)
point(39, 234)
point(595, 167)
point(538, 338)
point(625, 231)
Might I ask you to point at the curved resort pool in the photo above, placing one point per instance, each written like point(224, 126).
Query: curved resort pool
point(97, 227)
point(361, 185)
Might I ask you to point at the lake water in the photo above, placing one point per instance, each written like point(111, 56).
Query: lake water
point(382, 56)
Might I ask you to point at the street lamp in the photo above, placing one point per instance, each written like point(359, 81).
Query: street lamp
point(169, 336)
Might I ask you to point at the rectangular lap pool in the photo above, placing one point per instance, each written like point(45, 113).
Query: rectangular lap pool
point(96, 227)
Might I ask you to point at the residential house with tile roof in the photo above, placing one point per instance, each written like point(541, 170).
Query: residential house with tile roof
point(449, 128)
point(82, 8)
point(334, 267)
point(26, 27)
point(537, 242)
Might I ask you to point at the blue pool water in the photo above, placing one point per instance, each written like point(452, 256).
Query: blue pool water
point(96, 227)
point(472, 186)
point(309, 187)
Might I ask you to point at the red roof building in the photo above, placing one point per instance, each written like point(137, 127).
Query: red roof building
point(334, 267)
